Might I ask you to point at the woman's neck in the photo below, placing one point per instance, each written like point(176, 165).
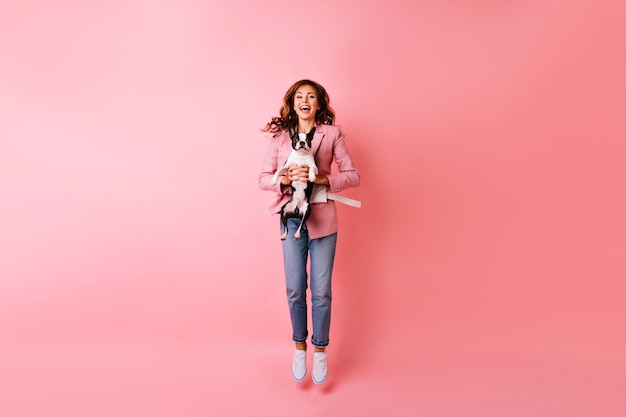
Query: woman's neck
point(305, 126)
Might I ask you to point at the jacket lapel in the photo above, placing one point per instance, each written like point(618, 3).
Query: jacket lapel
point(317, 138)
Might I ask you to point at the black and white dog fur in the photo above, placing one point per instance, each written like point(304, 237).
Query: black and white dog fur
point(299, 205)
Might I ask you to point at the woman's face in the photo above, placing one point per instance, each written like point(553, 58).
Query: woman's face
point(305, 102)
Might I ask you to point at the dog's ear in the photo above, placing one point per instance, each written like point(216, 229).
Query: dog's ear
point(309, 136)
point(293, 135)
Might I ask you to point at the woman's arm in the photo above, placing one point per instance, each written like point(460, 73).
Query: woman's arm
point(348, 176)
point(322, 180)
point(270, 165)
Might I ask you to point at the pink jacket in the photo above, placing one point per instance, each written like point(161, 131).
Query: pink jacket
point(328, 144)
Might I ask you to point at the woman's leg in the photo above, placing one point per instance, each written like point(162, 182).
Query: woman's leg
point(295, 254)
point(322, 259)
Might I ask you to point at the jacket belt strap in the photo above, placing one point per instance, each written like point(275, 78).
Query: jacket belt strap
point(344, 200)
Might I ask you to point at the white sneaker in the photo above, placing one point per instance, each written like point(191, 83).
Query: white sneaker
point(298, 366)
point(320, 368)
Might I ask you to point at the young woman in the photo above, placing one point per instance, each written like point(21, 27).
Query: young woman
point(306, 110)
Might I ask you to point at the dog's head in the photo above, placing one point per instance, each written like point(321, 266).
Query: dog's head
point(301, 142)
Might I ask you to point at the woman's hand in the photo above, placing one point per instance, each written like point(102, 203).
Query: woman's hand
point(296, 173)
point(301, 173)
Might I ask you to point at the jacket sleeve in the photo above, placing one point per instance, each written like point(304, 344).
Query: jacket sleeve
point(270, 165)
point(348, 176)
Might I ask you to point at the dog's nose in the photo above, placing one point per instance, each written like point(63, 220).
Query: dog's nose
point(302, 143)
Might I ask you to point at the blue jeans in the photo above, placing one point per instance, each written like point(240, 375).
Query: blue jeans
point(295, 254)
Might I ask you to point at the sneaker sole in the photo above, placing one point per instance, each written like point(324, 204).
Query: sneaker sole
point(296, 379)
point(316, 382)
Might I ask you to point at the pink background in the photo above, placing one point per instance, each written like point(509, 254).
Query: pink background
point(484, 275)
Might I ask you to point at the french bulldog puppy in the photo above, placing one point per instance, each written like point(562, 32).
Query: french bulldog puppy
point(298, 205)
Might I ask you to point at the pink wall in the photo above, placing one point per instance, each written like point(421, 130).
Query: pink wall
point(490, 137)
